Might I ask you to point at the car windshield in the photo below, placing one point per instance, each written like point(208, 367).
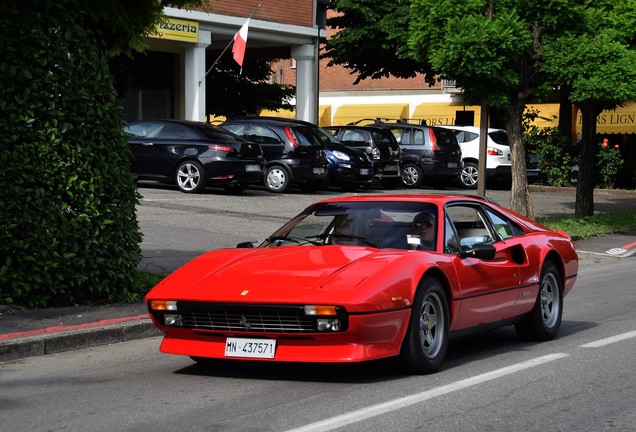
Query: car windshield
point(379, 224)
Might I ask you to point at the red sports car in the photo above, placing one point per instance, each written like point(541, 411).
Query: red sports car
point(367, 277)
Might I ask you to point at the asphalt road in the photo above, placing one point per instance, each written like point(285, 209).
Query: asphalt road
point(584, 380)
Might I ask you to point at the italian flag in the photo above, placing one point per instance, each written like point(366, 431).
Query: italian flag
point(240, 42)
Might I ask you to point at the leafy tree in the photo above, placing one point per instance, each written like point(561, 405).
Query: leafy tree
point(371, 40)
point(492, 50)
point(230, 93)
point(69, 233)
point(598, 64)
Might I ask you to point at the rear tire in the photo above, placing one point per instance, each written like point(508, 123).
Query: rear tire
point(426, 341)
point(469, 176)
point(277, 179)
point(412, 176)
point(545, 320)
point(190, 177)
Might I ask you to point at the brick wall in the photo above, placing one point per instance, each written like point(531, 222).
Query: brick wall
point(296, 12)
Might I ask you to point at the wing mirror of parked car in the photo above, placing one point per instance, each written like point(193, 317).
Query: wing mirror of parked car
point(479, 251)
point(245, 245)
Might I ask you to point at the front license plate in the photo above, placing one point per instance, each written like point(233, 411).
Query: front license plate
point(365, 171)
point(252, 168)
point(452, 165)
point(250, 348)
point(318, 170)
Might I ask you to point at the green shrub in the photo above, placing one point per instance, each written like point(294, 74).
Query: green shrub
point(69, 232)
point(609, 162)
point(555, 155)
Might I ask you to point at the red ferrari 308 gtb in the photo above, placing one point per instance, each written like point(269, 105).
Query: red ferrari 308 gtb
point(360, 278)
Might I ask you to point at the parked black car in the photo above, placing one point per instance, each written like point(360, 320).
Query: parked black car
point(379, 145)
point(294, 153)
point(192, 155)
point(428, 152)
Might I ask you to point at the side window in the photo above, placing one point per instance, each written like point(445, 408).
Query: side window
point(263, 135)
point(451, 244)
point(238, 129)
point(470, 224)
point(504, 227)
point(174, 131)
point(144, 129)
point(418, 137)
point(471, 136)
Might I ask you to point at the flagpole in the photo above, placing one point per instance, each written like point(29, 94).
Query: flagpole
point(228, 45)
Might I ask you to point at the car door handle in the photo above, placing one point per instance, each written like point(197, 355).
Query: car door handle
point(148, 143)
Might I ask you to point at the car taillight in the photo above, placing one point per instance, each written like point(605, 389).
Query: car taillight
point(494, 152)
point(290, 135)
point(223, 148)
point(375, 152)
point(434, 145)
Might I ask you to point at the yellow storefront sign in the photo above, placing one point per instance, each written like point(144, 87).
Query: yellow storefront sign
point(179, 30)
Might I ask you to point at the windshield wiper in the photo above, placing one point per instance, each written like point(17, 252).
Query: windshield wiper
point(299, 240)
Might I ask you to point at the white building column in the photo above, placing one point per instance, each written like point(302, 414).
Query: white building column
point(306, 82)
point(194, 74)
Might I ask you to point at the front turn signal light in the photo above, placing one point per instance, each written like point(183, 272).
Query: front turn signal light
point(163, 305)
point(321, 310)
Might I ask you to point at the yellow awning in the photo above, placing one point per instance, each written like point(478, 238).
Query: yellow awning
point(445, 114)
point(622, 120)
point(216, 120)
point(291, 114)
point(324, 114)
point(547, 115)
point(369, 112)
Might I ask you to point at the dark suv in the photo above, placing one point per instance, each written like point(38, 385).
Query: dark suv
point(293, 152)
point(428, 152)
point(380, 145)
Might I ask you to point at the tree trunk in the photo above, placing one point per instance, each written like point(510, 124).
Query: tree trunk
point(584, 205)
point(520, 200)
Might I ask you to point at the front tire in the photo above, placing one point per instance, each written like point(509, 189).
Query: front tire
point(545, 320)
point(426, 341)
point(190, 177)
point(276, 179)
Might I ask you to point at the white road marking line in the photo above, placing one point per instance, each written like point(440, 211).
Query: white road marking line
point(396, 404)
point(610, 340)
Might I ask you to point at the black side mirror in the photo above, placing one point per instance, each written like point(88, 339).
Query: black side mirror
point(479, 251)
point(245, 245)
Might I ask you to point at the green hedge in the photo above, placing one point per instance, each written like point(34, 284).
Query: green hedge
point(69, 233)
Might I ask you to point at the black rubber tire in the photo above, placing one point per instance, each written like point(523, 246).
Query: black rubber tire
point(469, 176)
point(544, 321)
point(276, 179)
point(412, 176)
point(190, 177)
point(426, 340)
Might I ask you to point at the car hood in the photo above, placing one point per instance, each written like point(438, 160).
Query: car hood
point(294, 274)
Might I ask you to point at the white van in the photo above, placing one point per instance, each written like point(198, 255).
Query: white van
point(498, 161)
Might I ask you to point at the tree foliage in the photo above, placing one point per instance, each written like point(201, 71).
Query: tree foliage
point(371, 40)
point(230, 92)
point(597, 63)
point(69, 232)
